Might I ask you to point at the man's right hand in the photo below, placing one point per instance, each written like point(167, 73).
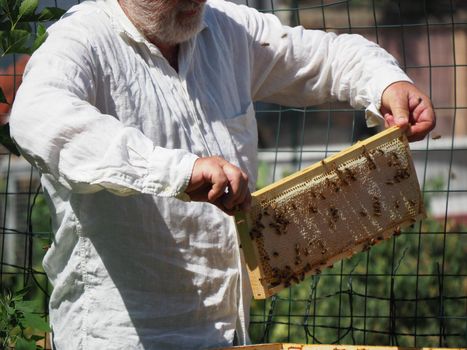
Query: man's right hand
point(221, 183)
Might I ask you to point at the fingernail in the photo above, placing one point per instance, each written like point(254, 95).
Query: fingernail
point(401, 120)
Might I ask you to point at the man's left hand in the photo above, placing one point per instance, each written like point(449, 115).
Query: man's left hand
point(403, 104)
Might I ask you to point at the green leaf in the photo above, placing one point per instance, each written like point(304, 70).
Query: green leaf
point(23, 344)
point(19, 295)
point(41, 35)
point(15, 331)
point(4, 40)
point(36, 337)
point(16, 42)
point(2, 97)
point(26, 305)
point(36, 322)
point(5, 24)
point(11, 9)
point(6, 141)
point(28, 7)
point(10, 310)
point(24, 26)
point(50, 14)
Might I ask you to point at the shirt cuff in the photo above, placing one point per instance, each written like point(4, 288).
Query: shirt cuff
point(169, 173)
point(378, 85)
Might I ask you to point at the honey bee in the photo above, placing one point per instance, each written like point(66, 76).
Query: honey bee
point(394, 160)
point(302, 276)
point(259, 224)
point(341, 177)
point(376, 206)
point(255, 234)
point(332, 185)
point(379, 151)
point(401, 174)
point(334, 213)
point(312, 209)
point(350, 174)
point(371, 162)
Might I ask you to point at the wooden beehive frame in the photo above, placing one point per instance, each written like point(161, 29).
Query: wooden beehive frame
point(329, 211)
point(287, 346)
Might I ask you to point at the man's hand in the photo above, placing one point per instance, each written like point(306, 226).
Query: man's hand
point(216, 181)
point(404, 105)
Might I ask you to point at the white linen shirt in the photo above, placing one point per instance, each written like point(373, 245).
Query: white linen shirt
point(115, 131)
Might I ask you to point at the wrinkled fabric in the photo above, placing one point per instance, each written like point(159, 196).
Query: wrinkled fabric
point(115, 131)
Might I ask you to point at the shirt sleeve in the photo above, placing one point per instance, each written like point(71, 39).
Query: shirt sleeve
point(299, 67)
point(59, 130)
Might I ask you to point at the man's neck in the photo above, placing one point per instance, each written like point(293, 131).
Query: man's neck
point(169, 51)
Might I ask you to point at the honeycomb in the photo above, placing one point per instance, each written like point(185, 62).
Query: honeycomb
point(343, 205)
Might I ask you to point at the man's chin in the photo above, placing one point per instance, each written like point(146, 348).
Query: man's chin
point(185, 31)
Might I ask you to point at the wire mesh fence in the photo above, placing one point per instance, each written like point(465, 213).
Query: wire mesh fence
point(409, 291)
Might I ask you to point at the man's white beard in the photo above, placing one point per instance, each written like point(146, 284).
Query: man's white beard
point(157, 20)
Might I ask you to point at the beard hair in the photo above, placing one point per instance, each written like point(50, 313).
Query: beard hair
point(158, 19)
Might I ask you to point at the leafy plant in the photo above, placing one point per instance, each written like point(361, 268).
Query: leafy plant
point(22, 31)
point(19, 324)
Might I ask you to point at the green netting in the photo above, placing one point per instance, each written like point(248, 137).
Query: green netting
point(409, 291)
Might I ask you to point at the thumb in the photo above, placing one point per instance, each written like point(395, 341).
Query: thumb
point(400, 112)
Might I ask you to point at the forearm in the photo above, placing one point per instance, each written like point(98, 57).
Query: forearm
point(63, 135)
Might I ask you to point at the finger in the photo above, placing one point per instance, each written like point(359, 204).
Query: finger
point(219, 185)
point(238, 184)
point(246, 203)
point(423, 125)
point(219, 203)
point(396, 102)
point(400, 112)
point(244, 197)
point(201, 193)
point(389, 120)
point(235, 188)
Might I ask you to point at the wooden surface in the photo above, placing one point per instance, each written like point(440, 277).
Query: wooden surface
point(329, 211)
point(283, 346)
